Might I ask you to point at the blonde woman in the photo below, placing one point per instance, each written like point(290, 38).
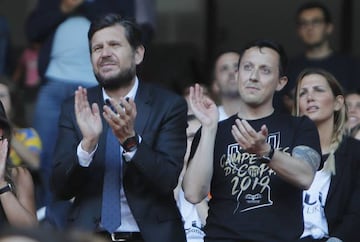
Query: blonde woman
point(331, 210)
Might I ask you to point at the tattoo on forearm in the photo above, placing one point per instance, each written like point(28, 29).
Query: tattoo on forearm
point(308, 154)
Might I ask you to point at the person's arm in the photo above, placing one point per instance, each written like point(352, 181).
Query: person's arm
point(298, 169)
point(159, 156)
point(80, 123)
point(19, 205)
point(198, 175)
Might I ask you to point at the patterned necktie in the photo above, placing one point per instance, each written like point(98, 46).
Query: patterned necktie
point(110, 212)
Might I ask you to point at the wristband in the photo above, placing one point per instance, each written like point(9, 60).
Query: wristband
point(6, 188)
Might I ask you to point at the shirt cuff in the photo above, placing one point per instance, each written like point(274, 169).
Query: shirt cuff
point(84, 157)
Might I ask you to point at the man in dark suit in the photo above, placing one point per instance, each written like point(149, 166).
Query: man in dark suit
point(149, 125)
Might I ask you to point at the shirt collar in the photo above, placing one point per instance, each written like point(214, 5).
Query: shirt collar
point(130, 94)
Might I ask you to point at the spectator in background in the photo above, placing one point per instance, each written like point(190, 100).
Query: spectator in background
point(27, 77)
point(225, 84)
point(17, 199)
point(25, 144)
point(315, 28)
point(194, 215)
point(4, 47)
point(255, 163)
point(331, 205)
point(64, 62)
point(352, 100)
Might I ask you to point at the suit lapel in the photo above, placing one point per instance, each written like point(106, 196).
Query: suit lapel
point(143, 107)
point(339, 169)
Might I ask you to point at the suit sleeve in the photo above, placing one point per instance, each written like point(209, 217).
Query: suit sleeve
point(347, 227)
point(160, 155)
point(67, 175)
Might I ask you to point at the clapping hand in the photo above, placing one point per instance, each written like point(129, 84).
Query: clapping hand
point(122, 118)
point(88, 119)
point(203, 107)
point(249, 139)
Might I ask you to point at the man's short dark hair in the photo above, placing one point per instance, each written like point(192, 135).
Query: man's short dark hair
point(312, 5)
point(132, 30)
point(283, 60)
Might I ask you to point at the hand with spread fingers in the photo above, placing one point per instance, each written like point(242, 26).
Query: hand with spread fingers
point(203, 107)
point(249, 139)
point(122, 119)
point(88, 118)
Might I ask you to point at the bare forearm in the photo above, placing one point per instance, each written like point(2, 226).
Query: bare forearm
point(197, 179)
point(297, 172)
point(16, 213)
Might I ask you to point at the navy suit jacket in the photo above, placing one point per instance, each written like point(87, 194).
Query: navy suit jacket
point(148, 179)
point(342, 208)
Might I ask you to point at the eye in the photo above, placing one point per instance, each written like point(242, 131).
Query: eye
point(96, 48)
point(247, 67)
point(302, 93)
point(266, 70)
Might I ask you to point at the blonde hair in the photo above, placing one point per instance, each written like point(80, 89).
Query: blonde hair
point(340, 115)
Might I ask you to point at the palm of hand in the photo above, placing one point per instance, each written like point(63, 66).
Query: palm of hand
point(89, 122)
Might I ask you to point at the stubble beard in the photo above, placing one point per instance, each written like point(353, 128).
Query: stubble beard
point(122, 79)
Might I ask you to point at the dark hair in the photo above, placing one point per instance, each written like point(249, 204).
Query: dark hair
point(132, 30)
point(311, 5)
point(17, 112)
point(283, 60)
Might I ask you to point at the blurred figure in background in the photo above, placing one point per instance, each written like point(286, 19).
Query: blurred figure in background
point(25, 144)
point(225, 84)
point(352, 100)
point(194, 215)
point(17, 199)
point(315, 29)
point(27, 78)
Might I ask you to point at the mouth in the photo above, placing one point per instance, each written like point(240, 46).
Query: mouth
point(312, 109)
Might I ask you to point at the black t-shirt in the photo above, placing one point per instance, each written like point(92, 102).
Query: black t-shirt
point(249, 201)
point(344, 68)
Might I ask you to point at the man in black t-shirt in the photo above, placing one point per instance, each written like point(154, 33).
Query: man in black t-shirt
point(256, 163)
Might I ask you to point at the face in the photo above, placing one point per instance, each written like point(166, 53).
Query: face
point(312, 28)
point(353, 109)
point(114, 61)
point(225, 83)
point(316, 99)
point(5, 98)
point(258, 76)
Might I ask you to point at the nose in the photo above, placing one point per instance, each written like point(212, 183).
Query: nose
point(254, 75)
point(105, 52)
point(310, 96)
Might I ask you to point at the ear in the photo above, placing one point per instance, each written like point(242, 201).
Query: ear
point(339, 102)
point(329, 28)
point(281, 83)
point(139, 54)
